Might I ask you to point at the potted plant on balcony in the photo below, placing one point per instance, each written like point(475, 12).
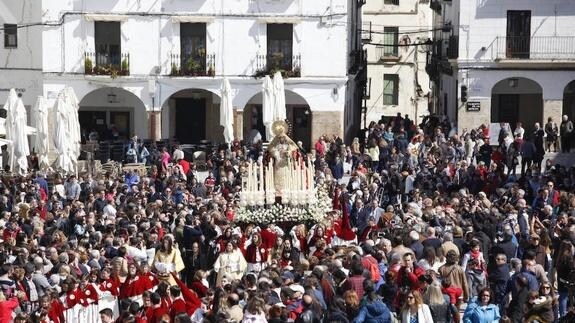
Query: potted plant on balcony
point(193, 67)
point(174, 71)
point(211, 71)
point(88, 66)
point(125, 67)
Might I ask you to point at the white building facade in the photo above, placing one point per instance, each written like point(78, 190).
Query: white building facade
point(20, 50)
point(515, 62)
point(397, 80)
point(155, 68)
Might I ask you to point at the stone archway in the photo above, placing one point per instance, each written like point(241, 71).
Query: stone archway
point(569, 101)
point(192, 116)
point(517, 99)
point(298, 115)
point(113, 113)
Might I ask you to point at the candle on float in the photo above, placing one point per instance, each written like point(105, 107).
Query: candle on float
point(272, 183)
point(261, 182)
point(249, 179)
point(302, 174)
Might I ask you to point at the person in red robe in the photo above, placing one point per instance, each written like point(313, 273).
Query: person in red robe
point(256, 255)
point(53, 307)
point(343, 230)
point(109, 284)
point(178, 304)
point(197, 285)
point(158, 311)
point(192, 300)
point(371, 227)
point(269, 236)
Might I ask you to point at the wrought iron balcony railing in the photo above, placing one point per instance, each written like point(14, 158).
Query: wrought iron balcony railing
point(289, 65)
point(535, 48)
point(192, 65)
point(101, 63)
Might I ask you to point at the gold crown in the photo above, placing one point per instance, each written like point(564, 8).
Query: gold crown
point(279, 127)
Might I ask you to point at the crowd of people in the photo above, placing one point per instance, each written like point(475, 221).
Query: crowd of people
point(426, 226)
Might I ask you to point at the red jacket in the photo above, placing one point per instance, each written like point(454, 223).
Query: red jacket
point(111, 285)
point(56, 311)
point(268, 238)
point(178, 306)
point(7, 308)
point(157, 314)
point(252, 251)
point(199, 288)
point(192, 300)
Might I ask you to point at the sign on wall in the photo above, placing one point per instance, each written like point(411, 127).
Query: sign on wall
point(473, 106)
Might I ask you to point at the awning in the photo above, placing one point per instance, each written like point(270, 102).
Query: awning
point(105, 17)
point(280, 20)
point(204, 19)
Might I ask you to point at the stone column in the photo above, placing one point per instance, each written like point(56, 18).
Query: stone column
point(473, 119)
point(326, 122)
point(553, 109)
point(155, 119)
point(238, 124)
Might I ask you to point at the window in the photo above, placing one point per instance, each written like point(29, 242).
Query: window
point(108, 44)
point(390, 89)
point(393, 2)
point(518, 34)
point(280, 41)
point(193, 47)
point(391, 40)
point(10, 35)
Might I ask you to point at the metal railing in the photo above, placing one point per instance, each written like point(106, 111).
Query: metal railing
point(537, 47)
point(102, 63)
point(387, 53)
point(288, 65)
point(192, 65)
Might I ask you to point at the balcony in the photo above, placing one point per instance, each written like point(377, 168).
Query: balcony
point(96, 63)
point(288, 65)
point(192, 65)
point(535, 48)
point(387, 53)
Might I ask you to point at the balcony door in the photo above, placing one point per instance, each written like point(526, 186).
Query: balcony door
point(518, 34)
point(108, 43)
point(280, 46)
point(193, 47)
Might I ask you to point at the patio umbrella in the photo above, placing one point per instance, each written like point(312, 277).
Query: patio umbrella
point(227, 111)
point(18, 134)
point(62, 136)
point(72, 100)
point(41, 143)
point(10, 107)
point(279, 97)
point(6, 124)
point(268, 105)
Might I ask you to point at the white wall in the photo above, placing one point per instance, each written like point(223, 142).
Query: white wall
point(21, 67)
point(481, 21)
point(236, 34)
point(409, 16)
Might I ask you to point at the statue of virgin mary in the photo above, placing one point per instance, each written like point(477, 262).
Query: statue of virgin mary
point(282, 149)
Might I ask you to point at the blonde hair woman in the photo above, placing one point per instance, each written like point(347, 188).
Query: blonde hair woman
point(414, 310)
point(441, 309)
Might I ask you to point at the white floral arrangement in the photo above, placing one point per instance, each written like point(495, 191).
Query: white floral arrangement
point(315, 211)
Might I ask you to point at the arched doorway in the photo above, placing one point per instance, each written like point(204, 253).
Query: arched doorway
point(517, 99)
point(192, 116)
point(112, 113)
point(569, 100)
point(298, 114)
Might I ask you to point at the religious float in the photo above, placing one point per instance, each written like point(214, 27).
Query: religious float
point(281, 189)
